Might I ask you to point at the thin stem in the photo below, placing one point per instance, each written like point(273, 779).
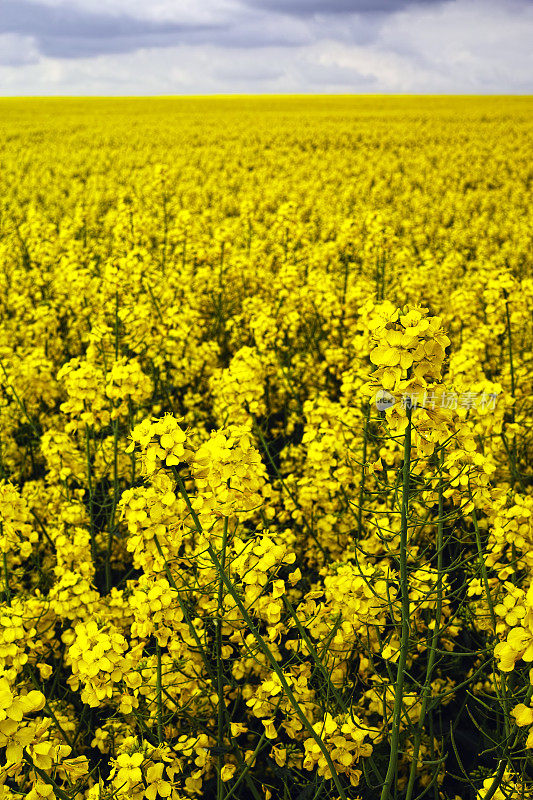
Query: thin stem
point(159, 693)
point(363, 474)
point(512, 454)
point(6, 572)
point(405, 628)
point(483, 569)
point(285, 487)
point(426, 691)
point(90, 487)
point(48, 779)
point(265, 649)
point(313, 652)
point(50, 711)
point(111, 522)
point(220, 677)
point(510, 350)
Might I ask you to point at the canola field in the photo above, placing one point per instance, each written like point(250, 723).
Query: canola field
point(266, 448)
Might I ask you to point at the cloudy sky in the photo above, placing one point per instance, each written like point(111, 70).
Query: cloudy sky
point(212, 46)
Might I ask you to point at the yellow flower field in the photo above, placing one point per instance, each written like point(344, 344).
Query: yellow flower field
point(266, 448)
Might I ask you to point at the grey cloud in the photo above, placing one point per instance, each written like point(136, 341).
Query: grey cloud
point(17, 51)
point(308, 8)
point(65, 32)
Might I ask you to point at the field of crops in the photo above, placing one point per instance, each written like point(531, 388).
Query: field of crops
point(266, 449)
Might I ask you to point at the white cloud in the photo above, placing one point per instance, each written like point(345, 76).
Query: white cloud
point(478, 42)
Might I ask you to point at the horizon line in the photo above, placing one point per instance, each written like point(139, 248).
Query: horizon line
point(192, 95)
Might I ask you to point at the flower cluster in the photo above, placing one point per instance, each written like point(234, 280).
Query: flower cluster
point(346, 741)
point(99, 657)
point(409, 352)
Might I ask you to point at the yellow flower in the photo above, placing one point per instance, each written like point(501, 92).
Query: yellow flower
point(156, 784)
point(270, 730)
point(228, 771)
point(523, 715)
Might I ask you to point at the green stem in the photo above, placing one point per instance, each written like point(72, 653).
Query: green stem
point(48, 779)
point(285, 487)
point(281, 677)
point(114, 503)
point(246, 767)
point(159, 684)
point(188, 620)
point(483, 569)
point(50, 711)
point(405, 628)
point(426, 691)
point(6, 572)
point(510, 349)
point(513, 453)
point(90, 487)
point(220, 676)
point(111, 522)
point(363, 474)
point(301, 630)
point(265, 649)
point(495, 785)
